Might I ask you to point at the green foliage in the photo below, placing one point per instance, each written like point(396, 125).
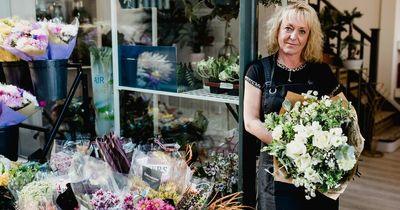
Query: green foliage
point(349, 41)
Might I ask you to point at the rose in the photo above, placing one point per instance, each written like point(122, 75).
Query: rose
point(294, 149)
point(321, 140)
point(303, 162)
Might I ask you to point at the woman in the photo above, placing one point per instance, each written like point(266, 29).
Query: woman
point(294, 44)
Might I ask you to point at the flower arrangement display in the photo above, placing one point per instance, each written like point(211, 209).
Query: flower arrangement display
point(27, 40)
point(6, 25)
point(42, 40)
point(311, 145)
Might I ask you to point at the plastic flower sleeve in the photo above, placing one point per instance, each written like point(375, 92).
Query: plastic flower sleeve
point(88, 175)
point(37, 195)
point(62, 38)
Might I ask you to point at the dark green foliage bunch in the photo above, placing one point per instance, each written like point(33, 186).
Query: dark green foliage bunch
point(186, 78)
point(136, 123)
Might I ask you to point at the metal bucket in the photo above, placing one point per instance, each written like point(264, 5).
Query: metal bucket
point(17, 73)
point(49, 79)
point(9, 142)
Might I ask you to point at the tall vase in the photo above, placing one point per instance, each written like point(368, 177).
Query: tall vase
point(102, 83)
point(49, 78)
point(9, 142)
point(17, 73)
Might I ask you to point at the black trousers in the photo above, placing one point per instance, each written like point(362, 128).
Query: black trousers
point(272, 195)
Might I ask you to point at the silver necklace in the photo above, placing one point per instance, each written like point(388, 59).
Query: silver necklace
point(290, 70)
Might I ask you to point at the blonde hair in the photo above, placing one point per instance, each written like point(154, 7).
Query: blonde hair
point(301, 10)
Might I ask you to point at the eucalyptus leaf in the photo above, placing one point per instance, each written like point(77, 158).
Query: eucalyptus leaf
point(287, 105)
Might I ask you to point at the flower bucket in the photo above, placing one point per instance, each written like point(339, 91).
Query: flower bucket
point(49, 79)
point(9, 142)
point(17, 73)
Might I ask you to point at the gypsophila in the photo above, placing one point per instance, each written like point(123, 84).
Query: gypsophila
point(310, 144)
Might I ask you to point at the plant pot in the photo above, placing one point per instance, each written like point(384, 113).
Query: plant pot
point(17, 73)
point(49, 79)
point(217, 86)
point(9, 142)
point(353, 64)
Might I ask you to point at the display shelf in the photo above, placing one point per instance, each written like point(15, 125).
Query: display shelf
point(200, 94)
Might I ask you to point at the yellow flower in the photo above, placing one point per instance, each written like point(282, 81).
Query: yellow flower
point(4, 179)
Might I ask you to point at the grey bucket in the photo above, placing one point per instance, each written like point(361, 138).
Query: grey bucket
point(9, 142)
point(17, 73)
point(49, 78)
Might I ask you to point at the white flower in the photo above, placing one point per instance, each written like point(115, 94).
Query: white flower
point(312, 175)
point(321, 140)
point(295, 149)
point(346, 164)
point(327, 103)
point(303, 162)
point(277, 132)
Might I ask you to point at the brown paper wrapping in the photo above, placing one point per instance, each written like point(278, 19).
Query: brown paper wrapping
point(354, 138)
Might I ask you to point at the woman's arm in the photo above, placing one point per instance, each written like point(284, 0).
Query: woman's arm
point(251, 113)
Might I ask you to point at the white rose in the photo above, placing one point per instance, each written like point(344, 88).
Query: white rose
point(277, 132)
point(294, 149)
point(303, 162)
point(346, 164)
point(321, 140)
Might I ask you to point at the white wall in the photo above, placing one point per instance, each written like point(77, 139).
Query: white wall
point(5, 10)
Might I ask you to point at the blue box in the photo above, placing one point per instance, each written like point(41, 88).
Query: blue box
point(150, 67)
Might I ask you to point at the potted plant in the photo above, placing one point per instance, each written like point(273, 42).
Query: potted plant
point(349, 42)
point(196, 33)
point(222, 74)
point(331, 25)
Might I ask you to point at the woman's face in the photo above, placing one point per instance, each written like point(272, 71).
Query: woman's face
point(292, 36)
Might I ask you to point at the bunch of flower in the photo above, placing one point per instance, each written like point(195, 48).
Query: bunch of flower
point(128, 203)
point(22, 174)
point(223, 170)
point(6, 25)
point(153, 204)
point(36, 194)
point(102, 200)
point(167, 190)
point(15, 97)
point(60, 162)
point(27, 39)
point(310, 144)
point(60, 32)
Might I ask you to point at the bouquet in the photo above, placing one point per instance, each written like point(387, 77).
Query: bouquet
point(315, 143)
point(62, 38)
point(6, 25)
point(13, 98)
point(27, 40)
